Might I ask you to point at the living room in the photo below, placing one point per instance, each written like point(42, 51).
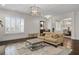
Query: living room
point(46, 29)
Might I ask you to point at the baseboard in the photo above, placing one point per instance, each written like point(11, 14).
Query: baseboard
point(15, 40)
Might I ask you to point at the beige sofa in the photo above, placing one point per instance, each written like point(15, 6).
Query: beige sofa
point(2, 50)
point(53, 38)
point(41, 36)
point(32, 35)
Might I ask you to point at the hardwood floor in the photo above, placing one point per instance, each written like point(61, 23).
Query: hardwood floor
point(68, 42)
point(73, 44)
point(75, 47)
point(14, 41)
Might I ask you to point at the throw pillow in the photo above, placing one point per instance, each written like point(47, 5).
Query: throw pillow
point(57, 36)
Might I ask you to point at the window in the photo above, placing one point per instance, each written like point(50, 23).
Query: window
point(67, 23)
point(58, 26)
point(14, 24)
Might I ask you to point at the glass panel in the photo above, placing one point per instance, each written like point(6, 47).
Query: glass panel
point(22, 25)
point(12, 20)
point(7, 24)
point(18, 22)
point(58, 26)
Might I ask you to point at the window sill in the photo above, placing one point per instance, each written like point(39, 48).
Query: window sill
point(14, 33)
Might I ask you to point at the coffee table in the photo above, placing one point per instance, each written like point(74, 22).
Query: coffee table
point(35, 44)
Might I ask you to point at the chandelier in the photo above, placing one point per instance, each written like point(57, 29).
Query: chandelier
point(35, 11)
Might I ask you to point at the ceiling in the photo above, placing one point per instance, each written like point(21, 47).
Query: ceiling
point(46, 9)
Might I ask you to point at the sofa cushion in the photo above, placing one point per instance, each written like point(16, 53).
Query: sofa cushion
point(51, 40)
point(47, 35)
point(56, 36)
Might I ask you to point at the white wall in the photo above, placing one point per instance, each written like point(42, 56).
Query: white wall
point(70, 15)
point(31, 25)
point(76, 25)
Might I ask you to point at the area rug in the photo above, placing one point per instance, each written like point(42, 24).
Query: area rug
point(21, 49)
point(45, 51)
